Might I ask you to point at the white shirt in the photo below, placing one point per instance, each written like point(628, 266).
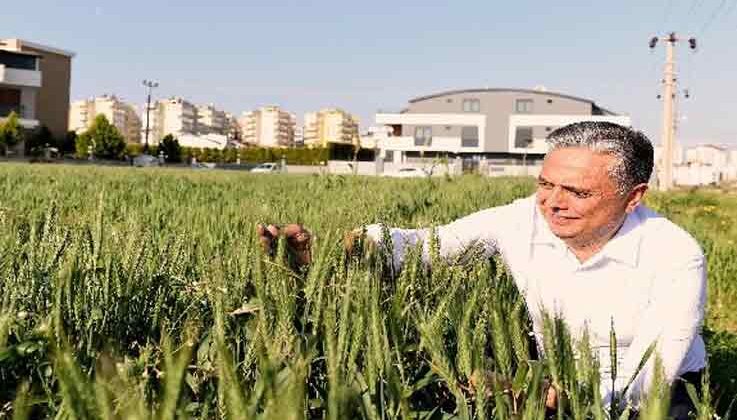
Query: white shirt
point(649, 280)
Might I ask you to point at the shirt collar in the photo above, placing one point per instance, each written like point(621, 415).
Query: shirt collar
point(623, 247)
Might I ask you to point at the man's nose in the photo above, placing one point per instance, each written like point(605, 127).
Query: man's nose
point(556, 198)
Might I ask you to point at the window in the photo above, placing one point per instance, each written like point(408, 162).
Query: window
point(18, 61)
point(523, 137)
point(471, 105)
point(470, 137)
point(423, 136)
point(523, 106)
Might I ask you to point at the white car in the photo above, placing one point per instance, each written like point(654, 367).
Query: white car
point(408, 173)
point(265, 168)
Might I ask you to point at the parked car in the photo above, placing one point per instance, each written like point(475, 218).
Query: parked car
point(146, 161)
point(268, 167)
point(408, 173)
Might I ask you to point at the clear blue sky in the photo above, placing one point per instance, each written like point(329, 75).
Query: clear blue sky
point(369, 55)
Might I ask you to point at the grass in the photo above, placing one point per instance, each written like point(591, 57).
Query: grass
point(141, 293)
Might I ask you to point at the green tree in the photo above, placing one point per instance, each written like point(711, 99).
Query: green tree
point(67, 144)
point(104, 139)
point(171, 148)
point(38, 140)
point(11, 132)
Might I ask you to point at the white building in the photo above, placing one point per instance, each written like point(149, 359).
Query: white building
point(174, 116)
point(299, 136)
point(508, 125)
point(211, 120)
point(123, 116)
point(268, 126)
point(705, 164)
point(204, 141)
point(708, 154)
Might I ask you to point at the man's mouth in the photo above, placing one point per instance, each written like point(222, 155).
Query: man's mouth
point(560, 219)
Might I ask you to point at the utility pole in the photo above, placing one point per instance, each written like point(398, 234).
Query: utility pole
point(149, 86)
point(670, 83)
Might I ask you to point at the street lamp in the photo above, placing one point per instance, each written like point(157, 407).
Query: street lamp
point(149, 86)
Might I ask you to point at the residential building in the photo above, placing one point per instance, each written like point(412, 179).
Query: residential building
point(211, 120)
point(708, 154)
point(678, 154)
point(174, 116)
point(120, 114)
point(268, 126)
point(34, 82)
point(705, 164)
point(500, 125)
point(330, 125)
point(299, 136)
point(233, 129)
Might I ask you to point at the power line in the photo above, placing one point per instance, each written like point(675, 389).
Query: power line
point(712, 18)
point(692, 11)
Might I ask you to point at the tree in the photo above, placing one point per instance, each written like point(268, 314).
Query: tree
point(11, 132)
point(67, 144)
point(102, 138)
point(171, 148)
point(38, 140)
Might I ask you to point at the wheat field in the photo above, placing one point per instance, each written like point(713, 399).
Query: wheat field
point(141, 293)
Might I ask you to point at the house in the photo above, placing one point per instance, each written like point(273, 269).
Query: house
point(501, 125)
point(34, 83)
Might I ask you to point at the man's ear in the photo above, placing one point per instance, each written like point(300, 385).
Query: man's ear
point(634, 198)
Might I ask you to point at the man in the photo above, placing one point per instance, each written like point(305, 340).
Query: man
point(586, 248)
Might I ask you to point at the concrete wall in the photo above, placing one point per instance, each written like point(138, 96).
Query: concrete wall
point(52, 102)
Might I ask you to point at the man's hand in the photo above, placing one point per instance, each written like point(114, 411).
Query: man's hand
point(551, 398)
point(298, 241)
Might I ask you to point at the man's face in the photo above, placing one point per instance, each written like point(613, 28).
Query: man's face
point(577, 197)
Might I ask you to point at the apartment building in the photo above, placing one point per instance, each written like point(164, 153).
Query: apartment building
point(704, 164)
point(233, 129)
point(330, 125)
point(211, 120)
point(34, 83)
point(501, 124)
point(122, 115)
point(174, 116)
point(268, 126)
point(708, 154)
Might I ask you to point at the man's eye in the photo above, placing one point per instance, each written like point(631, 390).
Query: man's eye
point(581, 194)
point(545, 185)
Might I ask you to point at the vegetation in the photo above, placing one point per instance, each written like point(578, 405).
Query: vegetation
point(171, 148)
point(38, 140)
point(141, 293)
point(102, 139)
point(11, 132)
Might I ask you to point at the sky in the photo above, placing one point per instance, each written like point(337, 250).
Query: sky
point(365, 56)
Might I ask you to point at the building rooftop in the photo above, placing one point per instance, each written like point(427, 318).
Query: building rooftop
point(16, 44)
point(512, 90)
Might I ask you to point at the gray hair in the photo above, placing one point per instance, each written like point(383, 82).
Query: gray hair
point(632, 149)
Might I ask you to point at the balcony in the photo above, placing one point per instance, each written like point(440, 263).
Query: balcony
point(23, 119)
point(436, 144)
point(19, 77)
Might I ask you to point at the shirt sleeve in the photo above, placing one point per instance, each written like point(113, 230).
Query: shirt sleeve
point(477, 231)
point(672, 320)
